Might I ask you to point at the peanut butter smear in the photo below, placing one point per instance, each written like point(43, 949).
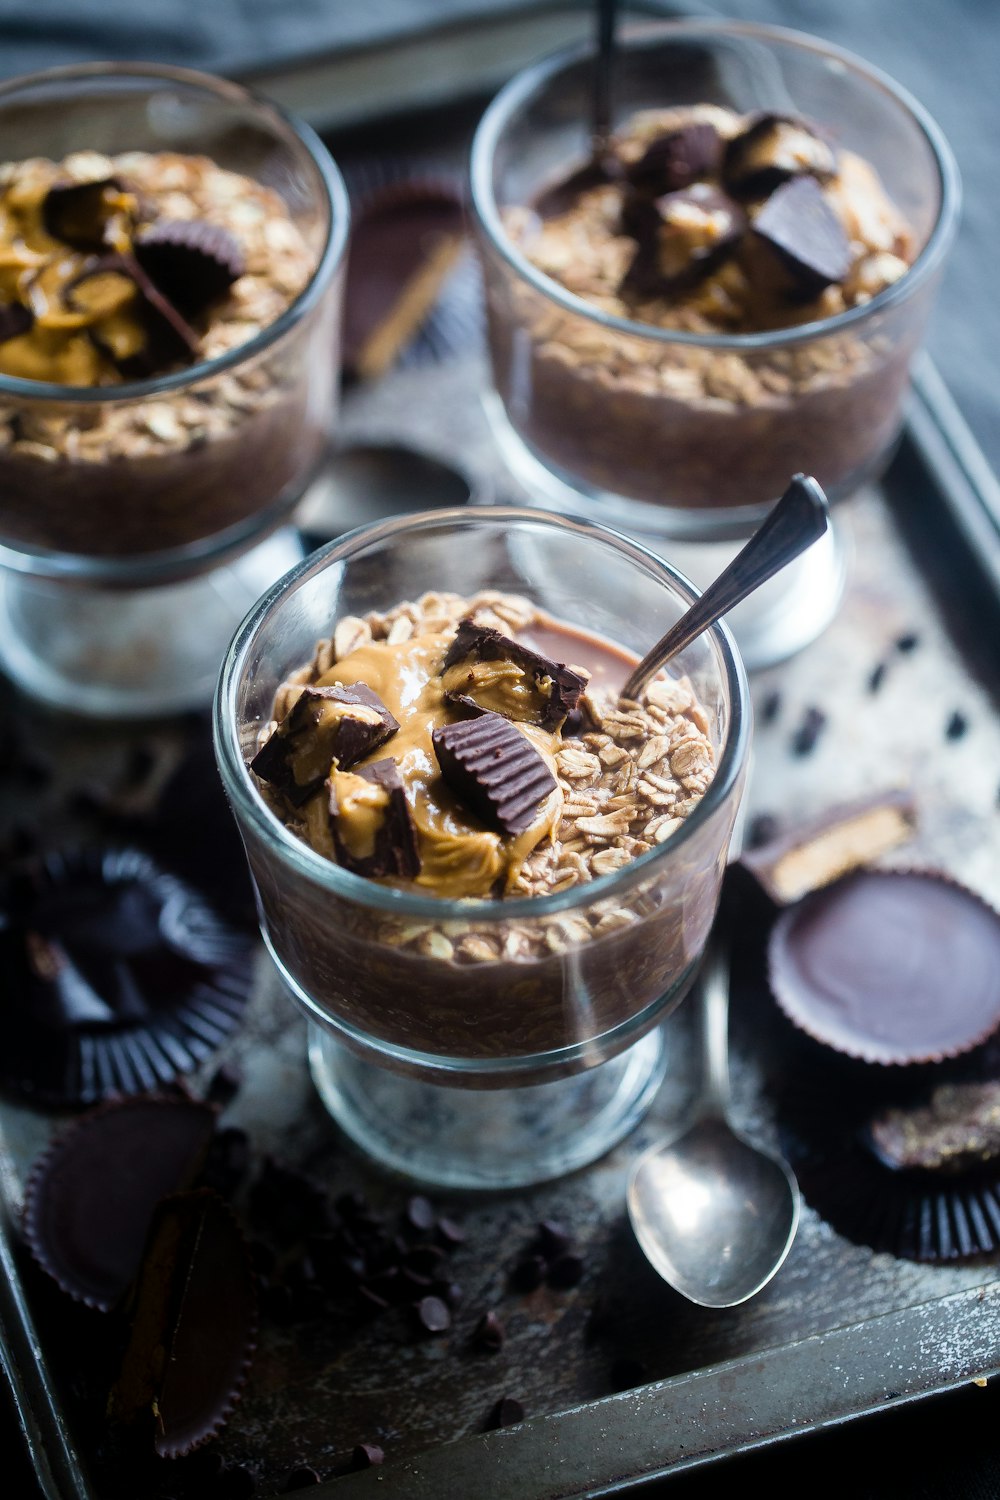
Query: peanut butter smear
point(459, 857)
point(82, 322)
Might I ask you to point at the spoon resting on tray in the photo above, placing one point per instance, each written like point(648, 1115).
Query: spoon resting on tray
point(798, 520)
point(715, 1215)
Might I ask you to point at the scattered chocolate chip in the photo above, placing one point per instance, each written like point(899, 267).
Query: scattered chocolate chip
point(433, 1314)
point(506, 1412)
point(877, 676)
point(907, 643)
point(495, 770)
point(189, 261)
point(228, 1162)
point(78, 213)
point(770, 708)
point(489, 1333)
point(394, 850)
point(300, 1478)
point(565, 1271)
point(553, 1238)
point(448, 1291)
point(367, 1456)
point(224, 1084)
point(800, 226)
point(557, 688)
point(324, 724)
point(528, 1274)
point(287, 1203)
point(761, 830)
point(677, 159)
point(420, 1214)
point(956, 726)
point(424, 1259)
point(14, 320)
point(450, 1233)
point(806, 736)
point(772, 149)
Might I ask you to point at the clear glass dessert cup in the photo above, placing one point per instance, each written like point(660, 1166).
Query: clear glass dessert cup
point(668, 433)
point(139, 521)
point(472, 1071)
point(687, 437)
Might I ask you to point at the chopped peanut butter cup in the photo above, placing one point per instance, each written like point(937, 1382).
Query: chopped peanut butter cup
point(676, 159)
point(772, 149)
point(532, 689)
point(370, 821)
point(799, 226)
point(193, 1325)
point(14, 320)
point(495, 770)
point(81, 213)
point(189, 261)
point(324, 724)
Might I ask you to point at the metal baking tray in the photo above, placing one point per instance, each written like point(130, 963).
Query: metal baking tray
point(841, 1331)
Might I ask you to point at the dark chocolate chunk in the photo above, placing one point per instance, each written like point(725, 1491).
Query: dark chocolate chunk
point(91, 1196)
point(693, 232)
point(78, 212)
point(433, 1314)
point(956, 727)
point(553, 1238)
point(394, 851)
point(489, 1333)
point(14, 320)
point(189, 261)
point(805, 738)
point(675, 160)
point(506, 1412)
point(367, 1456)
point(323, 725)
point(193, 1325)
point(799, 225)
point(907, 643)
point(495, 770)
point(762, 828)
point(555, 689)
point(228, 1161)
point(770, 708)
point(772, 149)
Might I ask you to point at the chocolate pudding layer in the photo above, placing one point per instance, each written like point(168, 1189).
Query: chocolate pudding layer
point(719, 225)
point(475, 749)
point(125, 269)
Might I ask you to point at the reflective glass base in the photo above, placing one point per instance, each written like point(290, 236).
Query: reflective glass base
point(490, 1139)
point(126, 653)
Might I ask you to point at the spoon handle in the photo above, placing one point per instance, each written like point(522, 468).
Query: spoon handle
point(799, 518)
point(607, 17)
point(715, 1029)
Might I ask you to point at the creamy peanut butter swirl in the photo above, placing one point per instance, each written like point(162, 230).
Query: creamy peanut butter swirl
point(459, 856)
point(82, 323)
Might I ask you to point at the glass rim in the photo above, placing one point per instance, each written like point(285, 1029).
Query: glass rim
point(246, 799)
point(526, 82)
point(331, 257)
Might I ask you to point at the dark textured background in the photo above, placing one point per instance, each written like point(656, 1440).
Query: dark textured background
point(947, 53)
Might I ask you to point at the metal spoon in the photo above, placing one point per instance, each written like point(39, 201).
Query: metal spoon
point(799, 518)
point(607, 26)
point(715, 1215)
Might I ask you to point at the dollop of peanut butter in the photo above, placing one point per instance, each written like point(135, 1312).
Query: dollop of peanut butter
point(83, 322)
point(459, 856)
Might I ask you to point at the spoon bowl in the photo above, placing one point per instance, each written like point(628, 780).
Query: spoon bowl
point(714, 1214)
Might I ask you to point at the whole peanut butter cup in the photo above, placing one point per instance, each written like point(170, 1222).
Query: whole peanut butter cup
point(92, 1194)
point(889, 966)
point(115, 977)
